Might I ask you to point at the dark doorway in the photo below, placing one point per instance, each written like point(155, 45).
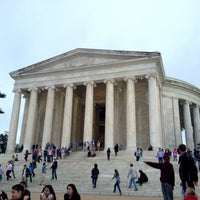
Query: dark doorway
point(100, 124)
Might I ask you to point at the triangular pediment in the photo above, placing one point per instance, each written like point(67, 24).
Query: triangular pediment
point(79, 58)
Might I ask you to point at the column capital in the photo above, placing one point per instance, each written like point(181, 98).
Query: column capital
point(175, 98)
point(71, 85)
point(33, 89)
point(110, 81)
point(49, 87)
point(92, 83)
point(148, 76)
point(134, 79)
point(195, 105)
point(187, 102)
point(154, 78)
point(17, 91)
point(26, 95)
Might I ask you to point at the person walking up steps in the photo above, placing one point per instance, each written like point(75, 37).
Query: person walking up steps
point(54, 168)
point(44, 171)
point(137, 154)
point(8, 170)
point(94, 175)
point(13, 165)
point(116, 148)
point(108, 153)
point(26, 154)
point(133, 174)
point(31, 171)
point(117, 183)
point(25, 173)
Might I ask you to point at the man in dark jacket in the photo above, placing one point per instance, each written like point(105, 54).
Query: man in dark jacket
point(94, 175)
point(54, 168)
point(187, 169)
point(25, 173)
point(167, 177)
point(116, 148)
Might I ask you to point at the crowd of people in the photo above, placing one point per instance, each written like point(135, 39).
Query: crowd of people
point(20, 192)
point(188, 173)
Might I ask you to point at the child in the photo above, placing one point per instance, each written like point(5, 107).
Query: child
point(44, 171)
point(190, 194)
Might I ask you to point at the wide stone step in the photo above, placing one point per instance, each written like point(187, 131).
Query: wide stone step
point(77, 169)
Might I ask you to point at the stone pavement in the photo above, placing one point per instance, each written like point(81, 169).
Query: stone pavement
point(77, 169)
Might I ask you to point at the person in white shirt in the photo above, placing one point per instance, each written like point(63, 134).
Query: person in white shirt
point(8, 170)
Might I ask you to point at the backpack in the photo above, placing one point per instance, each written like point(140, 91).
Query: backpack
point(28, 172)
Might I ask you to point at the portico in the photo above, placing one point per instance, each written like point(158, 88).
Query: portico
point(112, 96)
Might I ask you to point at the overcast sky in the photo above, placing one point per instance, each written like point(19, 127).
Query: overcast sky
point(32, 31)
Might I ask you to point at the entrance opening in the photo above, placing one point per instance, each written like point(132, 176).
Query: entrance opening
point(100, 124)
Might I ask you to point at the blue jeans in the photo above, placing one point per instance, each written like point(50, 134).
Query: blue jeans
point(132, 182)
point(117, 185)
point(167, 191)
point(175, 158)
point(94, 182)
point(160, 159)
point(45, 157)
point(54, 175)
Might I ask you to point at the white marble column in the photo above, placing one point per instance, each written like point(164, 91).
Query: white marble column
point(48, 120)
point(188, 125)
point(24, 120)
point(14, 123)
point(196, 125)
point(88, 122)
point(131, 114)
point(30, 125)
point(58, 117)
point(154, 126)
point(77, 120)
point(109, 124)
point(67, 119)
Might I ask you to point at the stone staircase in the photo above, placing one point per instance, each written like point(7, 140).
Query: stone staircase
point(77, 169)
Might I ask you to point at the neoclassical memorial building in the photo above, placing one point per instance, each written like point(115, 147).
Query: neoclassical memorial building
point(112, 96)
